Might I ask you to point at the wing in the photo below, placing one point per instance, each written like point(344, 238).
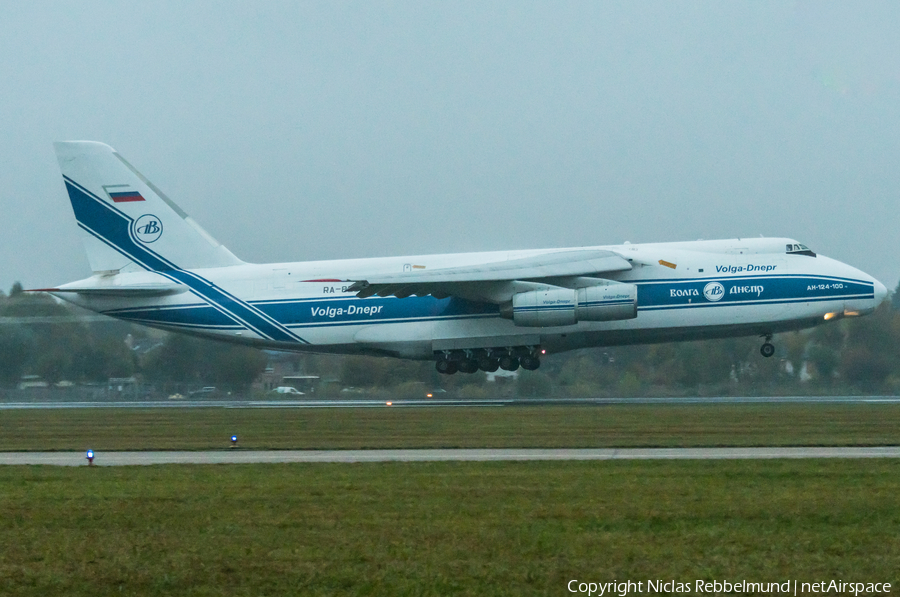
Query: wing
point(497, 281)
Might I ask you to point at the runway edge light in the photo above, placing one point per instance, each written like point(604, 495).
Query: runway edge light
point(233, 441)
point(90, 457)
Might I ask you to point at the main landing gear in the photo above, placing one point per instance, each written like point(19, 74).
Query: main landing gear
point(488, 359)
point(767, 349)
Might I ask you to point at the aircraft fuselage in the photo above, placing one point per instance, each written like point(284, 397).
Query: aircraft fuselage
point(685, 290)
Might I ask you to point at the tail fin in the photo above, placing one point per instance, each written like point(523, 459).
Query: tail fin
point(127, 223)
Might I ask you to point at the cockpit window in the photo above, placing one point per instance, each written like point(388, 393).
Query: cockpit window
point(798, 249)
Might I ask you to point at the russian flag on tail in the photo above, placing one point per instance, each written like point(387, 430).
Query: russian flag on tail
point(122, 193)
point(126, 196)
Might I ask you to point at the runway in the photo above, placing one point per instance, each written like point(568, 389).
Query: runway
point(238, 456)
point(442, 402)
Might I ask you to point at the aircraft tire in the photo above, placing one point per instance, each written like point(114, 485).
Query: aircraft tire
point(509, 363)
point(767, 349)
point(469, 366)
point(530, 363)
point(445, 366)
point(489, 365)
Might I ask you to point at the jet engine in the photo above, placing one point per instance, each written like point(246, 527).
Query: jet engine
point(566, 306)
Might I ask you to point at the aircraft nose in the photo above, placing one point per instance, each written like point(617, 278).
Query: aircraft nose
point(880, 292)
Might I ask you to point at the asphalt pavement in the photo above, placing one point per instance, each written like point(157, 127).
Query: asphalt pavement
point(239, 456)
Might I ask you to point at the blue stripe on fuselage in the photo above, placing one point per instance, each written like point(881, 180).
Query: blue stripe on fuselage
point(319, 312)
point(783, 288)
point(374, 309)
point(203, 315)
point(350, 310)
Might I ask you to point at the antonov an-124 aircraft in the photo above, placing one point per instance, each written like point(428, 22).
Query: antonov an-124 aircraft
point(153, 265)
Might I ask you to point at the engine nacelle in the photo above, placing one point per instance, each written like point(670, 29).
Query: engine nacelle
point(564, 306)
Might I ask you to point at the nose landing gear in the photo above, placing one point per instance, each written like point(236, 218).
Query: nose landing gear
point(767, 349)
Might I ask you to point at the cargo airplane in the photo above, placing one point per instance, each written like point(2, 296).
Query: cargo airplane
point(154, 265)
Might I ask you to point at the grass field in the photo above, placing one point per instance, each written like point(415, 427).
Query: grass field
point(647, 425)
point(442, 528)
point(523, 528)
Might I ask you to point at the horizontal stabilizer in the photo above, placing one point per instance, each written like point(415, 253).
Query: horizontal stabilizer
point(137, 291)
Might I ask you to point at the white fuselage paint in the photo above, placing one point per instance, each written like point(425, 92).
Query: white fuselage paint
point(715, 289)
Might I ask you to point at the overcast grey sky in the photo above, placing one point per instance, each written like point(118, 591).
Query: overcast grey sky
point(295, 131)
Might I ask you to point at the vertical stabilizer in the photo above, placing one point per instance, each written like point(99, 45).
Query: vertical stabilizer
point(127, 223)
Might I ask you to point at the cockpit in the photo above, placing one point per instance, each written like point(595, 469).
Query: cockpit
point(798, 249)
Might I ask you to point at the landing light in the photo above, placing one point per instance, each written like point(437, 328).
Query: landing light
point(428, 395)
point(851, 313)
point(389, 403)
point(543, 351)
point(829, 316)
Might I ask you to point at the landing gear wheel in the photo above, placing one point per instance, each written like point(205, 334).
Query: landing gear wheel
point(445, 366)
point(509, 363)
point(530, 363)
point(488, 364)
point(767, 349)
point(469, 366)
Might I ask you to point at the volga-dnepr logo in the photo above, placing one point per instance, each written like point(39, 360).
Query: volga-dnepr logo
point(147, 228)
point(713, 291)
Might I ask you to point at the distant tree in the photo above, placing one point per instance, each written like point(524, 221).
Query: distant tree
point(194, 361)
point(176, 361)
point(22, 304)
point(871, 350)
point(16, 348)
point(357, 372)
point(105, 356)
point(824, 360)
point(895, 298)
point(865, 369)
point(534, 384)
point(367, 372)
point(795, 348)
point(581, 374)
point(392, 372)
point(16, 289)
point(234, 366)
point(630, 384)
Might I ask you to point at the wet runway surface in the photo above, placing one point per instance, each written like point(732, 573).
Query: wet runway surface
point(445, 402)
point(238, 456)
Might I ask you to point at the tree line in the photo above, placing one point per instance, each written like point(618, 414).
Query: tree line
point(53, 341)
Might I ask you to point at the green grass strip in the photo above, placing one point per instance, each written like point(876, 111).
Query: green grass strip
point(399, 529)
point(864, 424)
